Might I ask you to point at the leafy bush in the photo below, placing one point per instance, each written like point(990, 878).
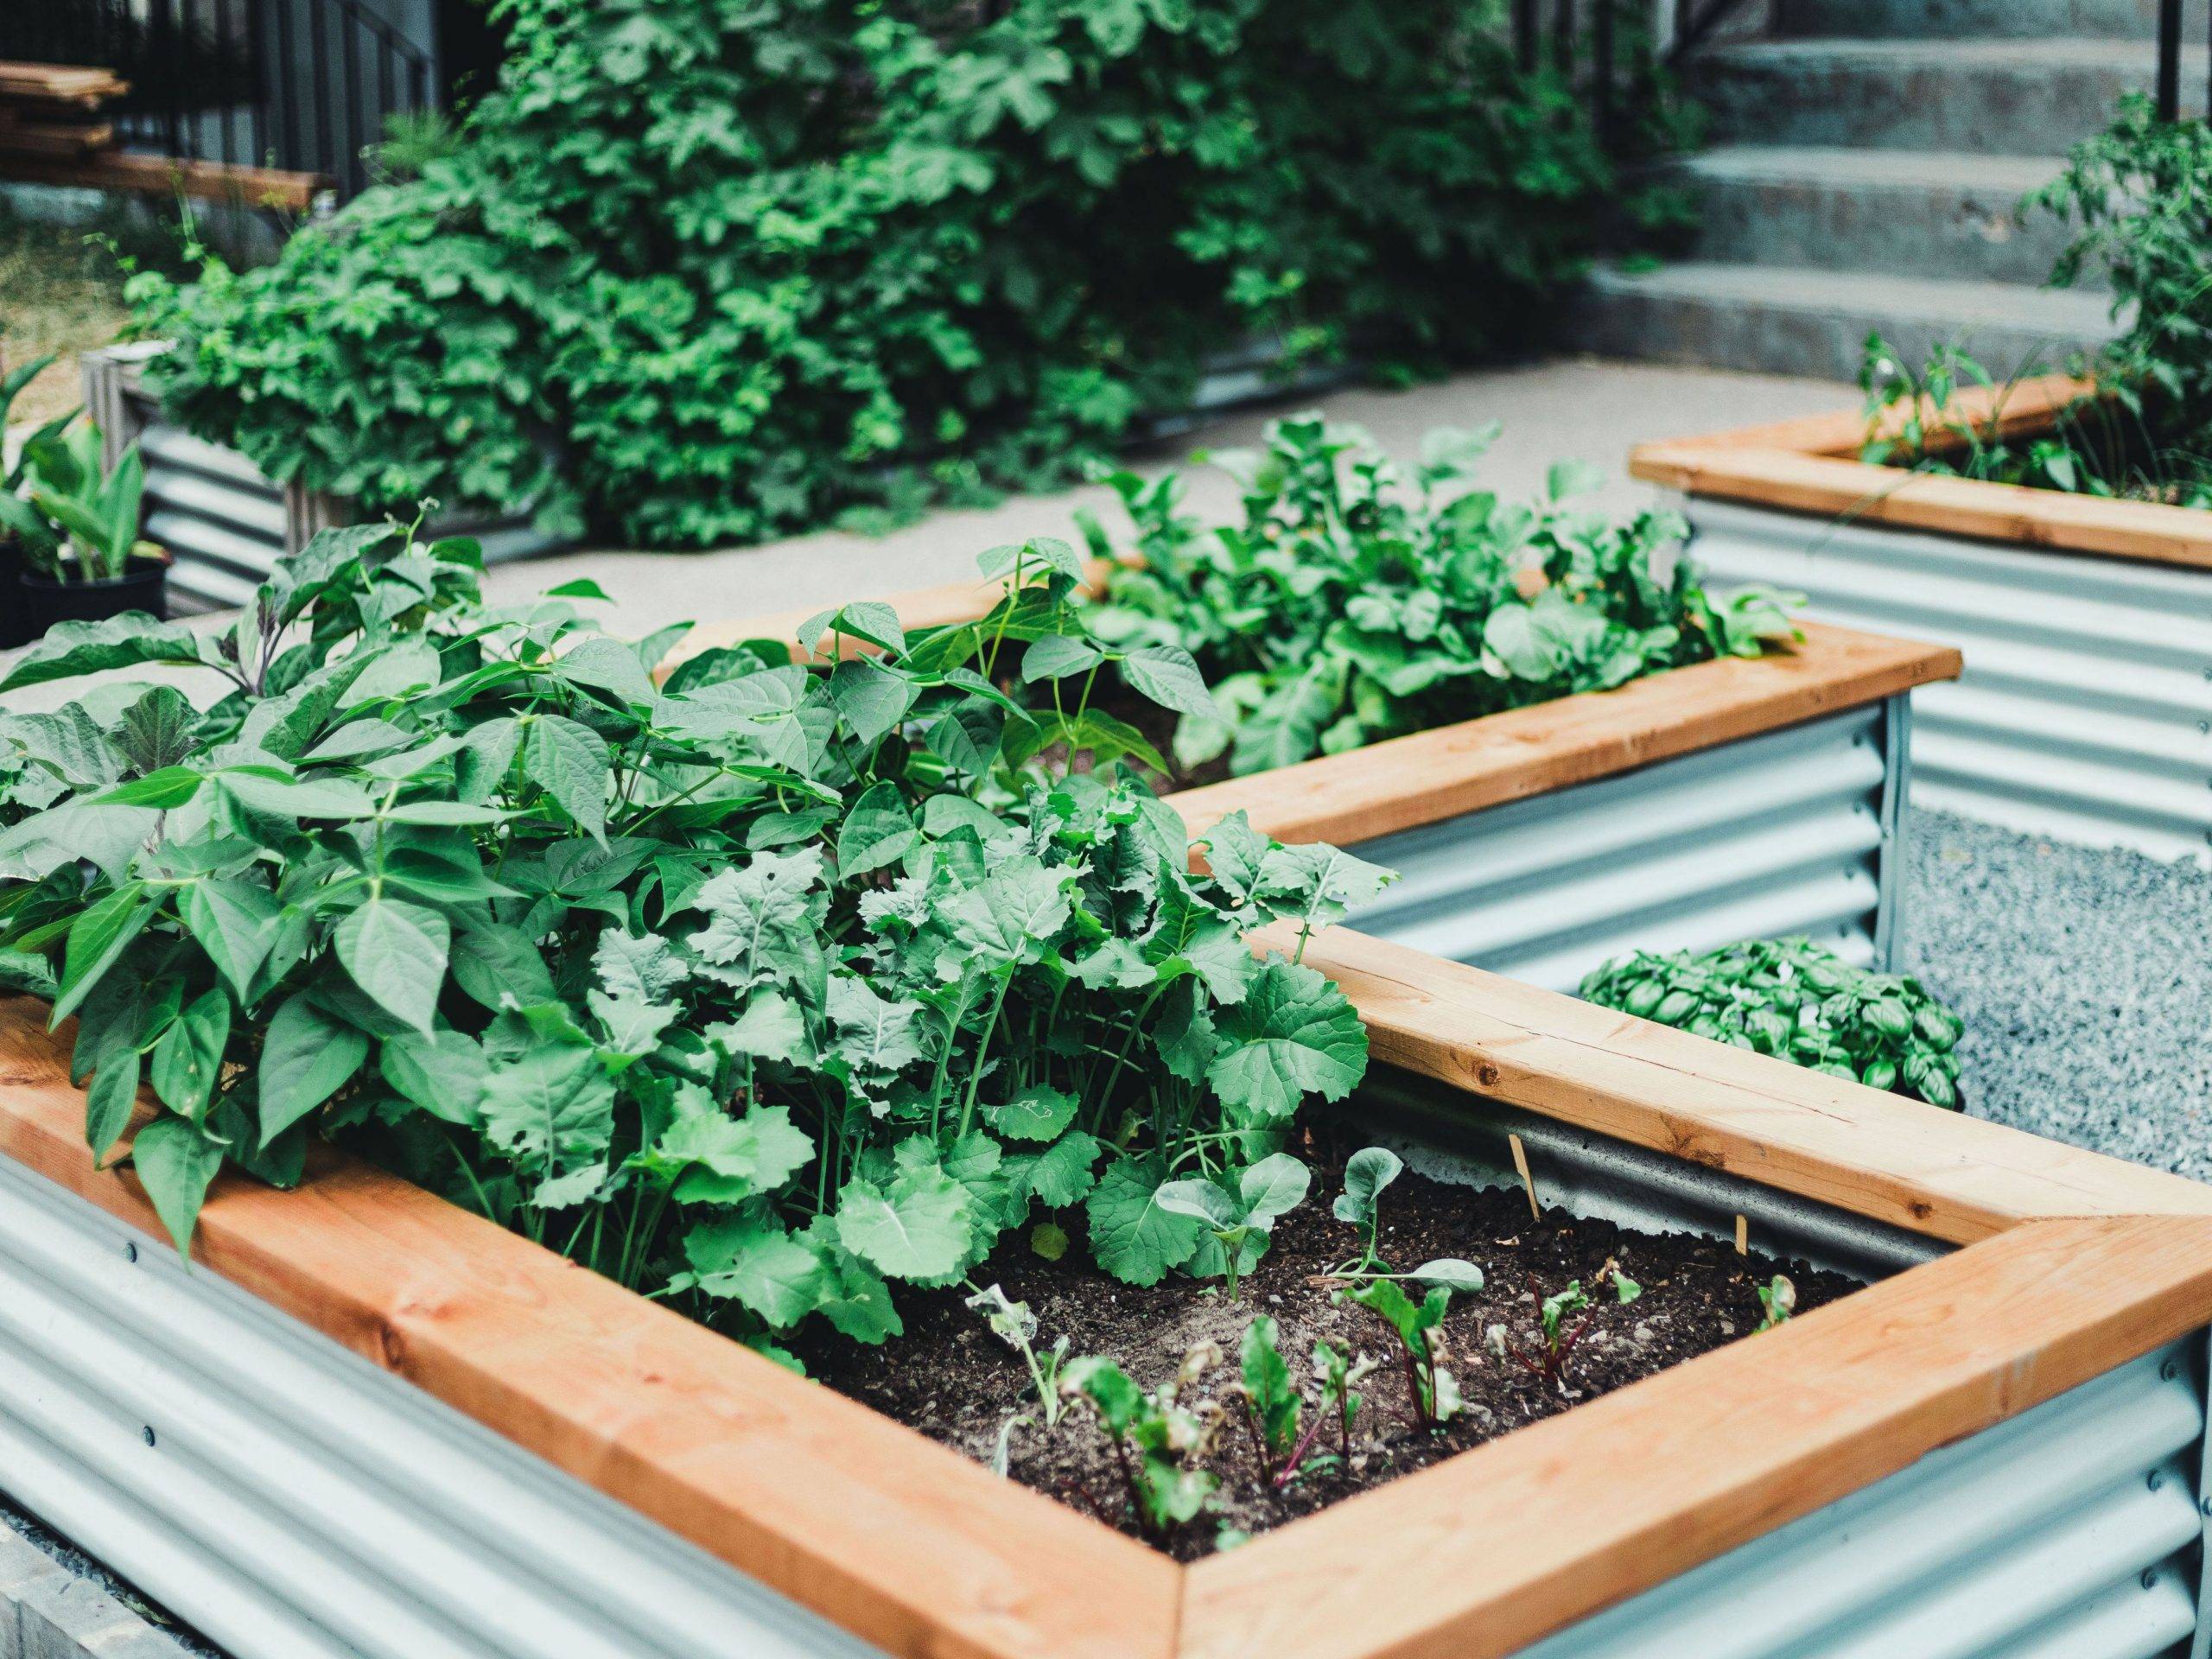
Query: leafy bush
point(757, 990)
point(1792, 999)
point(2138, 196)
point(697, 271)
point(1347, 608)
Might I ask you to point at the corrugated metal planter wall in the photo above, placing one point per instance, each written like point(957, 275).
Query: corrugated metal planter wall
point(294, 1502)
point(222, 519)
point(2085, 712)
point(1792, 831)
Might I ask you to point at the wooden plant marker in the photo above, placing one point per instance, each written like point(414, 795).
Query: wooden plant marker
point(1529, 1181)
point(1743, 1236)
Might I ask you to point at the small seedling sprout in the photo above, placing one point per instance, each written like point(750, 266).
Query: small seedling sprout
point(1778, 1300)
point(1240, 1221)
point(1015, 1325)
point(1152, 1435)
point(1366, 1174)
point(1433, 1393)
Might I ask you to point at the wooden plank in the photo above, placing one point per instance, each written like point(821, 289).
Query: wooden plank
point(1874, 1154)
point(2013, 514)
point(257, 187)
point(1477, 1557)
point(1427, 777)
point(905, 1542)
point(2030, 408)
point(54, 138)
point(60, 83)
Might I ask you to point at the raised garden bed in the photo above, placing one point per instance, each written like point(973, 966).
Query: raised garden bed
point(2002, 1439)
point(224, 521)
point(1728, 800)
point(2085, 623)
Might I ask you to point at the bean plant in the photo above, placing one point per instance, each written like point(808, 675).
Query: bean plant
point(1795, 1000)
point(1352, 604)
point(759, 988)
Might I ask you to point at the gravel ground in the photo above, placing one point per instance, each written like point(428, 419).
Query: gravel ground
point(2084, 976)
point(84, 1567)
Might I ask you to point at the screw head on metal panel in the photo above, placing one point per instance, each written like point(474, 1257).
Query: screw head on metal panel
point(2170, 1370)
point(2150, 1579)
point(2204, 1503)
point(130, 1251)
point(2157, 1479)
point(148, 1432)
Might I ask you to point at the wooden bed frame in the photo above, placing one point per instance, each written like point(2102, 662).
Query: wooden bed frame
point(2072, 1264)
point(1812, 465)
point(1426, 776)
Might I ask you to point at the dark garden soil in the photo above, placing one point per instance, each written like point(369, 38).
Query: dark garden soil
point(952, 1379)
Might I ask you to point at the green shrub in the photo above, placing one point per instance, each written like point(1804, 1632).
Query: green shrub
point(1793, 998)
point(758, 990)
point(1348, 608)
point(698, 271)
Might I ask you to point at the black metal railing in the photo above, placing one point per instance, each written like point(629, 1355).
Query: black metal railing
point(1614, 51)
point(2169, 57)
point(304, 85)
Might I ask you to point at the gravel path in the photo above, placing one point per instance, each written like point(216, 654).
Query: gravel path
point(2085, 980)
point(84, 1567)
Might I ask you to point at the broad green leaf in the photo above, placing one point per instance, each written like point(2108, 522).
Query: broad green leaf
point(1011, 917)
point(176, 1164)
point(1272, 1188)
point(1132, 1235)
point(172, 786)
point(155, 731)
point(111, 1097)
point(571, 764)
point(235, 921)
point(856, 1302)
point(771, 1027)
point(727, 1161)
point(1039, 1112)
point(264, 789)
point(1168, 676)
point(916, 1228)
point(868, 619)
point(877, 831)
point(551, 1109)
point(69, 649)
point(1367, 1172)
point(1063, 1173)
point(759, 1264)
point(188, 1058)
point(875, 1033)
point(485, 754)
point(1057, 656)
point(608, 665)
point(1201, 1199)
point(870, 698)
point(396, 952)
point(97, 939)
point(1293, 1034)
point(498, 967)
point(1454, 1274)
point(308, 1056)
point(441, 1071)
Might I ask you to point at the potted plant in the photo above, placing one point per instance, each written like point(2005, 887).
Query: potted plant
point(75, 529)
point(1510, 704)
point(15, 624)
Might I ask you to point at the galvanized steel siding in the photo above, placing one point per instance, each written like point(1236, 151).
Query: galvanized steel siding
point(1789, 832)
point(294, 1502)
point(2072, 1532)
point(2085, 711)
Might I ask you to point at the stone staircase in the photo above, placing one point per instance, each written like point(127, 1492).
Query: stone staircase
point(1866, 159)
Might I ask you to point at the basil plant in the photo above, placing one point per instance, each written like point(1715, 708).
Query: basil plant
point(759, 988)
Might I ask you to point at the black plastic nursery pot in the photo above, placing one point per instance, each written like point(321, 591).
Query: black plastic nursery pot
point(36, 601)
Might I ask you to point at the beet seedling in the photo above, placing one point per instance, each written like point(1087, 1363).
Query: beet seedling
point(1433, 1393)
point(1150, 1435)
point(1240, 1221)
point(1548, 1363)
point(1340, 1374)
point(1778, 1301)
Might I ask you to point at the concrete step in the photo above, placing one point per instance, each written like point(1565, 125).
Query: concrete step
point(1896, 211)
point(2001, 97)
point(1968, 20)
point(1810, 322)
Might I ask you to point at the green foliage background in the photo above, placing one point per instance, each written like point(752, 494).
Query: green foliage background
point(698, 271)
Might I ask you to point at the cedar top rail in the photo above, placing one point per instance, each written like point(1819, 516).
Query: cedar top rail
point(2079, 1264)
point(1426, 777)
point(1811, 465)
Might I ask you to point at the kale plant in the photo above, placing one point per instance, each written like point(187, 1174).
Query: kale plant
point(758, 989)
point(1350, 605)
point(1793, 998)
